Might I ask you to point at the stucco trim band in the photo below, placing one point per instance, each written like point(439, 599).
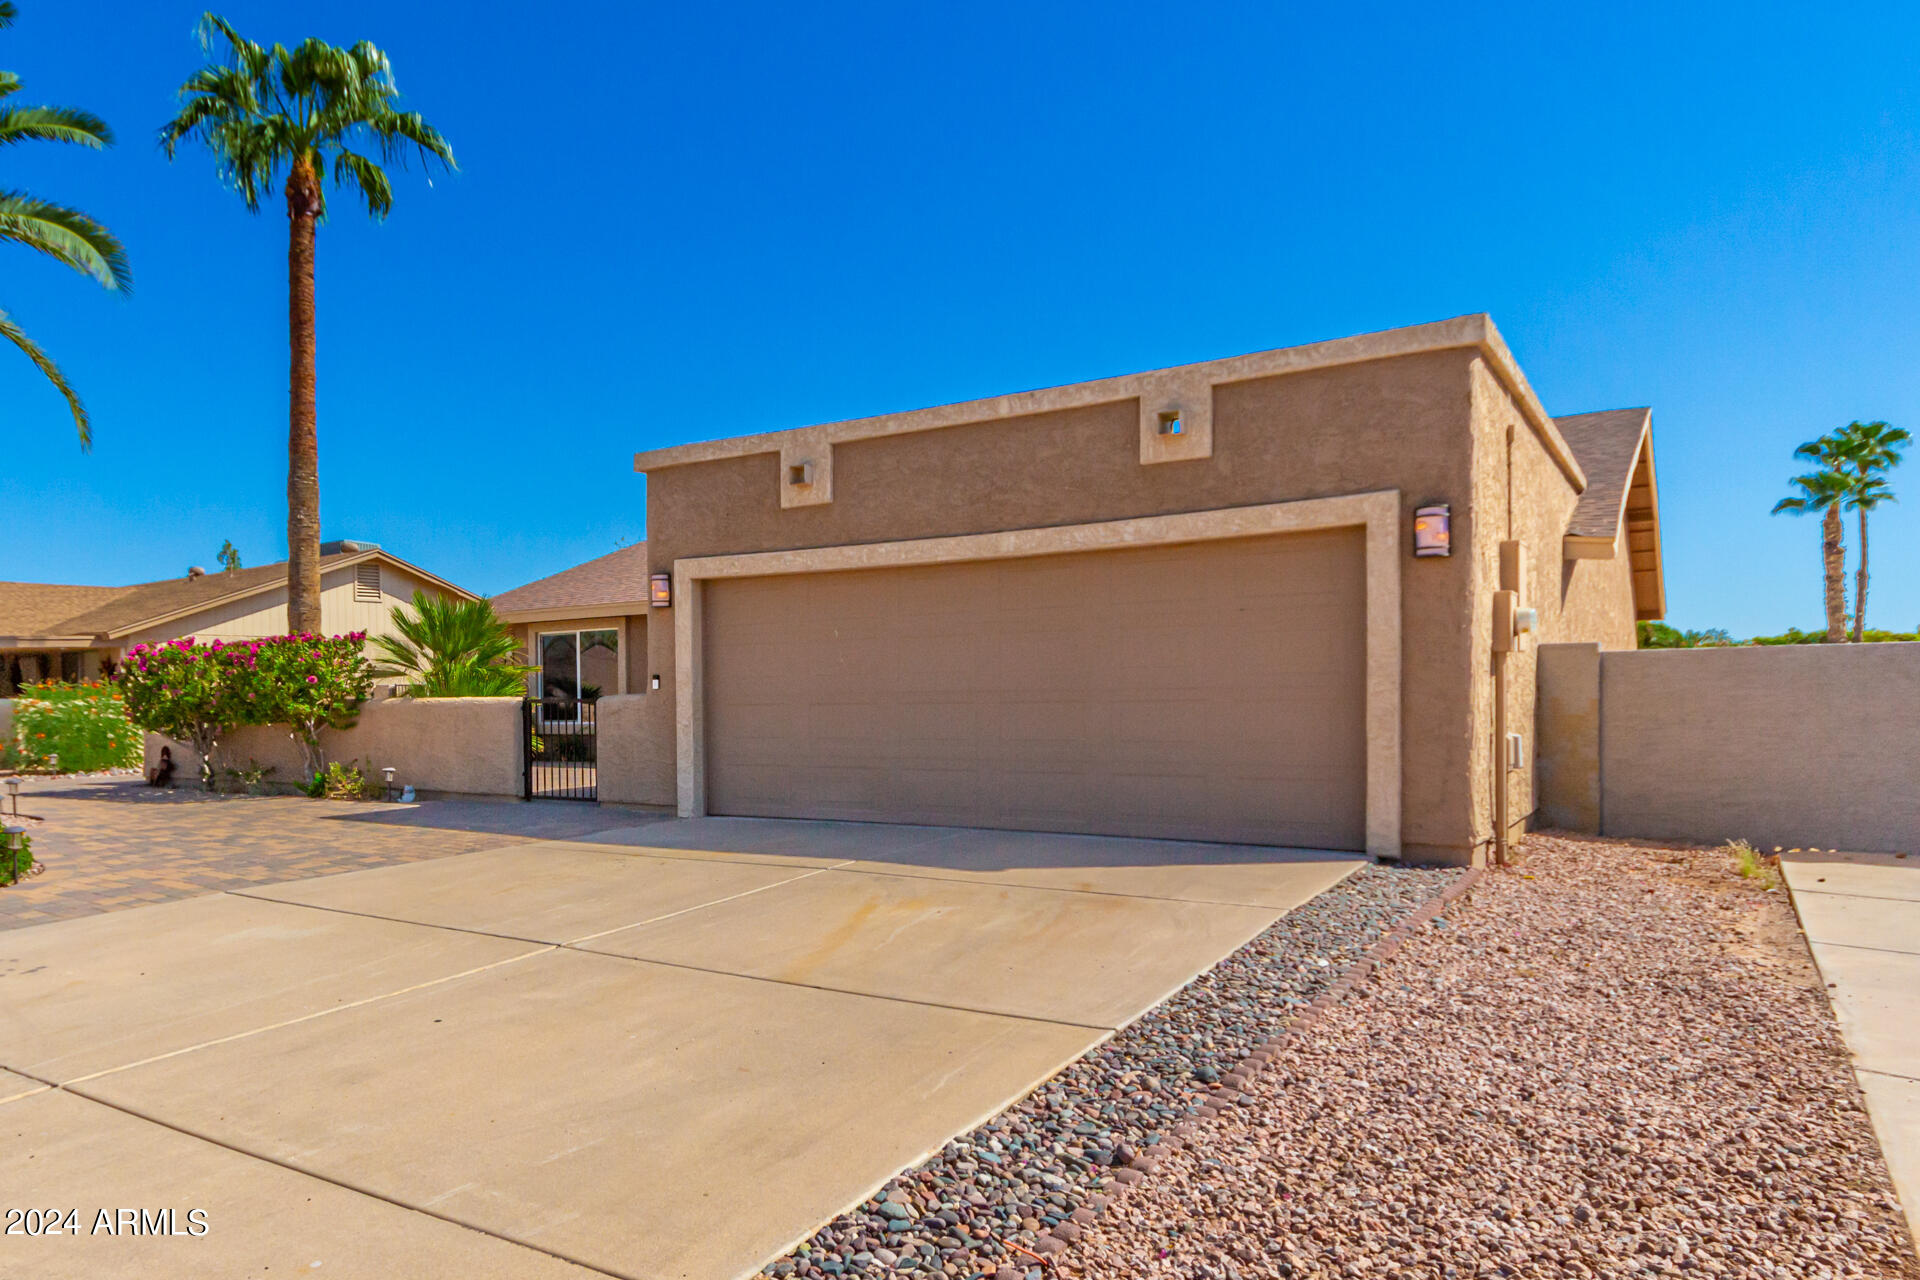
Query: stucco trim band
point(1378, 513)
point(1475, 331)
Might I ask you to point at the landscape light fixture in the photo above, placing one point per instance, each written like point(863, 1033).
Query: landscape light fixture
point(13, 793)
point(660, 590)
point(1432, 531)
point(386, 771)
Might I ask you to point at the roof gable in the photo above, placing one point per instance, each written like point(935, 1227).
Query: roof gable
point(617, 578)
point(1615, 448)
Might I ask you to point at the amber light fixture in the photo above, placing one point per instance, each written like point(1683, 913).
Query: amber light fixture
point(1432, 531)
point(660, 590)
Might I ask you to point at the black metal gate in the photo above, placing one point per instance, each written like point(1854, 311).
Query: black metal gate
point(562, 750)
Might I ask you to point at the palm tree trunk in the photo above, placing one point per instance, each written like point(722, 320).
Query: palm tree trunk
point(1833, 553)
point(303, 446)
point(1860, 584)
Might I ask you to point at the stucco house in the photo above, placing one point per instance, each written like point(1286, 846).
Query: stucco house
point(50, 631)
point(584, 628)
point(1287, 598)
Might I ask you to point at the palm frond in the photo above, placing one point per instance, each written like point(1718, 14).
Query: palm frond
point(1818, 491)
point(51, 371)
point(54, 124)
point(7, 13)
point(261, 110)
point(449, 648)
point(9, 83)
point(67, 236)
point(370, 179)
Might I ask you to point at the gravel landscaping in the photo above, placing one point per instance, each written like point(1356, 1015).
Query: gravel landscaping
point(981, 1206)
point(1616, 1060)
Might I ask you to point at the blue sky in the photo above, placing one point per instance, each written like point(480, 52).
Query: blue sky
point(681, 222)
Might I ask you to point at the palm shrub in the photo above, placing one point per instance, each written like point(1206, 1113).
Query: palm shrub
point(66, 235)
point(451, 649)
point(309, 113)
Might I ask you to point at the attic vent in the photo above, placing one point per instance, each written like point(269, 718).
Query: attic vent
point(366, 583)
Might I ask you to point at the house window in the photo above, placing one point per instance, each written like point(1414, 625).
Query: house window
point(366, 583)
point(577, 666)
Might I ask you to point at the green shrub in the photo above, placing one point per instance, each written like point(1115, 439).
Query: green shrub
point(340, 781)
point(1750, 864)
point(74, 728)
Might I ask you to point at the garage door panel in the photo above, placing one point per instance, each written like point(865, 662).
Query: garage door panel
point(1204, 691)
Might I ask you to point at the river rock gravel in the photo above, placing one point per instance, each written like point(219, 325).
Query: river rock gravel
point(1613, 1060)
point(979, 1206)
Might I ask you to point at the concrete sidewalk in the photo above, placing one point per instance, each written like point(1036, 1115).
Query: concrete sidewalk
point(1861, 915)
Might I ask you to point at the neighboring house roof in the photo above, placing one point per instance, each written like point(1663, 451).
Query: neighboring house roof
point(32, 610)
point(37, 608)
point(615, 583)
point(1615, 448)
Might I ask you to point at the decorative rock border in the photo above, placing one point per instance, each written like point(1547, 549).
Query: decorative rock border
point(1233, 1083)
point(1003, 1200)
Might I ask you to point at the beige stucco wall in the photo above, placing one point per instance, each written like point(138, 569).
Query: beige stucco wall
point(1794, 745)
point(1521, 495)
point(634, 742)
point(468, 746)
point(1419, 424)
point(1567, 736)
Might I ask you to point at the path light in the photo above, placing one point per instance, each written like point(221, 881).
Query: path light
point(13, 791)
point(386, 772)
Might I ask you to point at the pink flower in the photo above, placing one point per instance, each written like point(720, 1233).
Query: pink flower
point(313, 679)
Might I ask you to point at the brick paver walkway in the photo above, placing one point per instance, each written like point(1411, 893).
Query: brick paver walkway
point(112, 843)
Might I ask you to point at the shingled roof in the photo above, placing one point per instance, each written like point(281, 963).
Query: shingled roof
point(1607, 444)
point(1615, 449)
point(38, 610)
point(615, 582)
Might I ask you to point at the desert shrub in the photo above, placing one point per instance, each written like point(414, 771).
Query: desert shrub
point(1750, 864)
point(342, 781)
point(74, 728)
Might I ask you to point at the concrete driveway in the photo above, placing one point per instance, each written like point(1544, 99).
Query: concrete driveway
point(669, 1050)
point(1861, 915)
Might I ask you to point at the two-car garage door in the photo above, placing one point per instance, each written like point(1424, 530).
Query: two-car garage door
point(1208, 691)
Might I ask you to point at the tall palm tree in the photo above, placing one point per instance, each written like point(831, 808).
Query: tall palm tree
point(65, 235)
point(1867, 451)
point(1825, 491)
point(303, 111)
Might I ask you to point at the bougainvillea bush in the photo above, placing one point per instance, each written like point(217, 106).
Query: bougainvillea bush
point(199, 693)
point(74, 728)
point(310, 684)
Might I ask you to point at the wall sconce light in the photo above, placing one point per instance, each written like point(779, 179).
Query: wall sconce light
point(656, 682)
point(1170, 423)
point(660, 590)
point(1433, 530)
point(800, 474)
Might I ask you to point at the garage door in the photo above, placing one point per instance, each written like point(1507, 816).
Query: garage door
point(1205, 691)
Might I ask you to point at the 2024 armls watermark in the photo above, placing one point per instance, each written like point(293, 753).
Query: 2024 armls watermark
point(104, 1222)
